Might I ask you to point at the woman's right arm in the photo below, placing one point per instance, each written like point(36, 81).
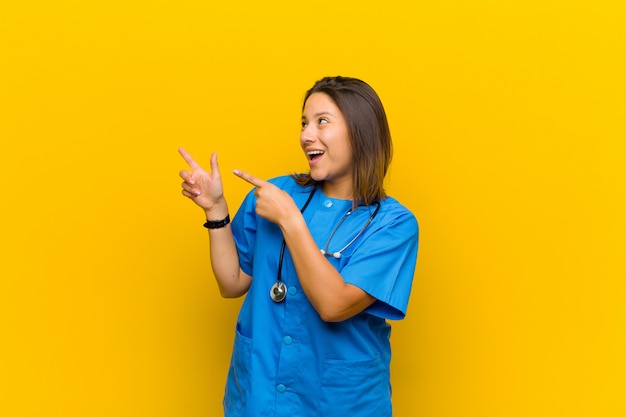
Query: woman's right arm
point(206, 190)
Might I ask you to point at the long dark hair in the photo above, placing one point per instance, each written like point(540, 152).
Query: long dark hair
point(369, 135)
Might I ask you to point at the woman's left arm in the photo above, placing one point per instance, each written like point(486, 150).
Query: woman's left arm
point(332, 298)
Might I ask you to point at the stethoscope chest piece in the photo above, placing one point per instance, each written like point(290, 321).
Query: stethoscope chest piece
point(278, 292)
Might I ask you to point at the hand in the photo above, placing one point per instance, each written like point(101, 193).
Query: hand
point(272, 203)
point(203, 188)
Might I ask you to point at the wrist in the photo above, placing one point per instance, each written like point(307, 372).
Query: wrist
point(217, 213)
point(217, 224)
point(293, 224)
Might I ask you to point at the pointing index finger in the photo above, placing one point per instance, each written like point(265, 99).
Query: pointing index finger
point(257, 182)
point(190, 161)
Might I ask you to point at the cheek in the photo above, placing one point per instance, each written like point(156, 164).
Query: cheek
point(347, 149)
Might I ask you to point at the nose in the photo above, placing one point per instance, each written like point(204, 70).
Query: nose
point(307, 135)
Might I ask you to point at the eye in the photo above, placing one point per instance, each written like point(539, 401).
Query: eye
point(304, 124)
point(323, 121)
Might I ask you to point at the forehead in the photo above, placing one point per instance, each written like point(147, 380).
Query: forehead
point(320, 103)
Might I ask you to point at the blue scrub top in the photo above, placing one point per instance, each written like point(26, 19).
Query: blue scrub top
point(286, 360)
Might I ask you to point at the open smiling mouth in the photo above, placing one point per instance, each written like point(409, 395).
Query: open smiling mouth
point(313, 155)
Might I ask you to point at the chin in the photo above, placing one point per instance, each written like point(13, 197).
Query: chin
point(316, 176)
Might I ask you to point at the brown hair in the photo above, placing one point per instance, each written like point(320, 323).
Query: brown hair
point(369, 135)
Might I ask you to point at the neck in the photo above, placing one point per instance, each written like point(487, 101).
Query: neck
point(342, 191)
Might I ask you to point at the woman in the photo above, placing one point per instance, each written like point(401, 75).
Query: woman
point(324, 259)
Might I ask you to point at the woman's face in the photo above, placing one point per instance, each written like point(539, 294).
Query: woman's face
point(326, 144)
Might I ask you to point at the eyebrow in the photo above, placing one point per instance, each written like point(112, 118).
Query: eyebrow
point(322, 113)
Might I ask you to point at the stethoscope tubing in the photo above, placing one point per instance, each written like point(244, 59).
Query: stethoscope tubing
point(330, 255)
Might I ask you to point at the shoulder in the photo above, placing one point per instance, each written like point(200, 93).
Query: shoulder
point(288, 184)
point(393, 212)
point(282, 181)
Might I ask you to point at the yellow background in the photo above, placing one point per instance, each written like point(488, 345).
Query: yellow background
point(508, 120)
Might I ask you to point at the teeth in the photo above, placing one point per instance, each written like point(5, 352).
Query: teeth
point(313, 153)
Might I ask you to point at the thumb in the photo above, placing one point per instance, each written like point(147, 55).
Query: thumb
point(215, 169)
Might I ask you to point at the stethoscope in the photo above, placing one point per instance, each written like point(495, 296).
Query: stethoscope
point(278, 292)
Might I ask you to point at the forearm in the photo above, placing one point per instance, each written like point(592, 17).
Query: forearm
point(333, 299)
point(232, 282)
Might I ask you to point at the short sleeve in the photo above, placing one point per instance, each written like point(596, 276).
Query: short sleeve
point(244, 227)
point(384, 265)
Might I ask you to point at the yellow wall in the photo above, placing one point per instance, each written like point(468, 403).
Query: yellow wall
point(509, 127)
